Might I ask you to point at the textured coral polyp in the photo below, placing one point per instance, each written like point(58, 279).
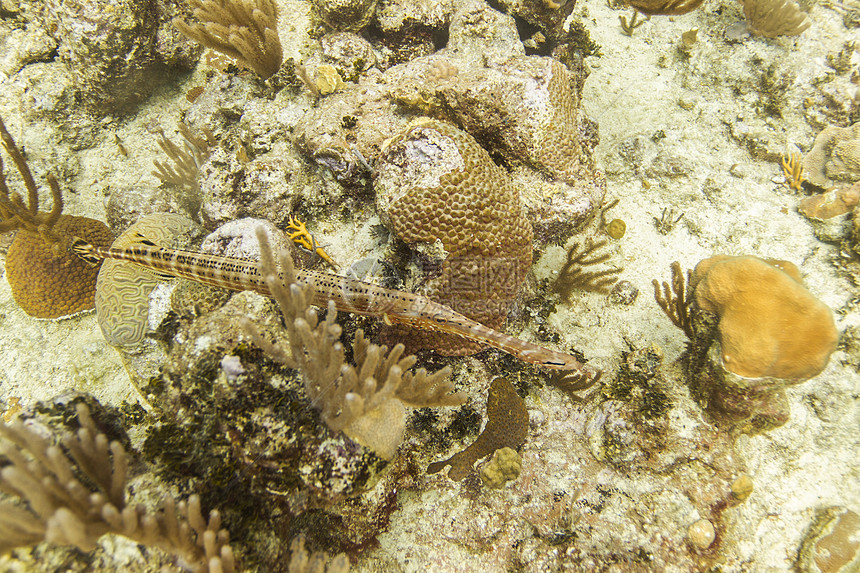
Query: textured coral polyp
point(770, 325)
point(51, 284)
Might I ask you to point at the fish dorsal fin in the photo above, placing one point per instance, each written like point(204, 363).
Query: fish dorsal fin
point(139, 238)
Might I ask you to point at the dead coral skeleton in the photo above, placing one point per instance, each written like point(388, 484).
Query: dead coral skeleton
point(366, 400)
point(245, 30)
point(772, 18)
point(74, 494)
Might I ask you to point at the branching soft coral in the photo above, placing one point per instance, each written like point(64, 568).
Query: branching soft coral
point(76, 494)
point(246, 30)
point(365, 400)
point(47, 280)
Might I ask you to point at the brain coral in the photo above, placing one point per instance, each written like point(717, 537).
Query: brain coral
point(434, 182)
point(122, 292)
point(770, 325)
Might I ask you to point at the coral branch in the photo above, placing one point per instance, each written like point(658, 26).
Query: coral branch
point(245, 30)
point(76, 497)
point(675, 300)
point(574, 276)
point(364, 400)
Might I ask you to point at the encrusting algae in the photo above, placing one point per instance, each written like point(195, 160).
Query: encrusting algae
point(507, 427)
point(47, 280)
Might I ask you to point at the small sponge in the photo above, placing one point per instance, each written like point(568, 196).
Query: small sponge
point(770, 325)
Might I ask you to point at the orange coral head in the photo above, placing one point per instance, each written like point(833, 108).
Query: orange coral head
point(770, 324)
point(50, 284)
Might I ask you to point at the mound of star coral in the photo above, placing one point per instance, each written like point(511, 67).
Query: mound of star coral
point(754, 329)
point(770, 325)
point(835, 156)
point(435, 183)
point(46, 279)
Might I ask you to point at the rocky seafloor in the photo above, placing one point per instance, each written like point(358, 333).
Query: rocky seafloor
point(638, 472)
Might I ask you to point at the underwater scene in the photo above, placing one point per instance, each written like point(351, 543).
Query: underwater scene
point(413, 285)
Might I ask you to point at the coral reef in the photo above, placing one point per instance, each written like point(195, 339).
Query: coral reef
point(123, 289)
point(47, 280)
point(126, 312)
point(665, 7)
point(303, 562)
point(485, 93)
point(676, 300)
point(112, 49)
point(832, 203)
point(548, 16)
point(505, 465)
point(792, 168)
point(185, 161)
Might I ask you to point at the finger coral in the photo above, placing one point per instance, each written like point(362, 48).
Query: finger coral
point(47, 280)
point(365, 400)
point(75, 498)
point(435, 183)
point(770, 325)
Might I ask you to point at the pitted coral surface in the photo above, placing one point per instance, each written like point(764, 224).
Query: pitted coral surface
point(436, 183)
